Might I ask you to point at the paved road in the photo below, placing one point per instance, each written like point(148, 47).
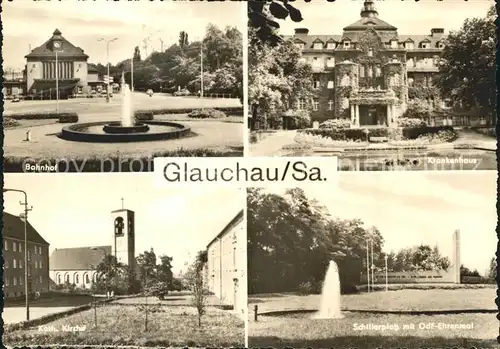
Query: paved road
point(99, 105)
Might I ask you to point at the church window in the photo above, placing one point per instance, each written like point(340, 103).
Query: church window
point(87, 280)
point(20, 264)
point(318, 46)
point(6, 281)
point(66, 278)
point(40, 278)
point(59, 279)
point(14, 265)
point(20, 280)
point(14, 280)
point(6, 245)
point(77, 279)
point(330, 84)
point(315, 105)
point(331, 46)
point(330, 104)
point(14, 246)
point(40, 264)
point(119, 225)
point(20, 247)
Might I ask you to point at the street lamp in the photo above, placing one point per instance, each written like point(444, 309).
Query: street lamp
point(107, 55)
point(386, 278)
point(26, 210)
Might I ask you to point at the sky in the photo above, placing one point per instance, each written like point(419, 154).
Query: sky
point(410, 17)
point(84, 22)
point(75, 211)
point(413, 208)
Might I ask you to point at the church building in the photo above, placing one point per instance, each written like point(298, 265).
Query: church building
point(78, 265)
point(369, 73)
point(57, 63)
point(226, 268)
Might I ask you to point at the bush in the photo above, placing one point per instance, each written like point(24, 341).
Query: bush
point(417, 110)
point(411, 122)
point(163, 111)
point(445, 132)
point(158, 289)
point(299, 119)
point(65, 118)
point(338, 124)
point(10, 122)
point(144, 116)
point(207, 114)
point(306, 288)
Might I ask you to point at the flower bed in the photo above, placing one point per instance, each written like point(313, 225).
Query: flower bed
point(351, 134)
point(310, 140)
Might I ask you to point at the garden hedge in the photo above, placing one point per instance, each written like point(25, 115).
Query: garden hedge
point(162, 111)
point(63, 117)
point(207, 114)
point(356, 134)
point(112, 163)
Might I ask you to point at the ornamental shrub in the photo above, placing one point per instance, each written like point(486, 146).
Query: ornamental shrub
point(336, 124)
point(10, 122)
point(411, 122)
point(207, 114)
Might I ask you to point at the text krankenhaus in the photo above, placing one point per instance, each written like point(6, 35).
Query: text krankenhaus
point(292, 170)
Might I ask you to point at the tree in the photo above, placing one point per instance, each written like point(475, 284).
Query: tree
point(196, 283)
point(277, 80)
point(183, 39)
point(164, 271)
point(262, 15)
point(137, 54)
point(146, 266)
point(468, 65)
point(417, 258)
point(112, 272)
point(292, 239)
point(492, 273)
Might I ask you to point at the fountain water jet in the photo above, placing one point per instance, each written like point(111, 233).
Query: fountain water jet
point(127, 113)
point(330, 295)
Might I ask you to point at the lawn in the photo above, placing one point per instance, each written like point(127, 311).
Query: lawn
point(299, 330)
point(121, 324)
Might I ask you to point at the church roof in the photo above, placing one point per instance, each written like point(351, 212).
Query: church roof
point(77, 258)
point(47, 49)
point(13, 227)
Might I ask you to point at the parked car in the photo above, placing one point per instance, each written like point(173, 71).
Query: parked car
point(182, 93)
point(149, 92)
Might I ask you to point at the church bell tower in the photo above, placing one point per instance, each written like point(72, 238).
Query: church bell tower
point(123, 247)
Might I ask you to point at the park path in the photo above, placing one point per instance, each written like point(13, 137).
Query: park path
point(477, 139)
point(273, 144)
point(12, 315)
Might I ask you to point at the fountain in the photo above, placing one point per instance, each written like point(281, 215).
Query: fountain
point(127, 124)
point(330, 295)
point(125, 130)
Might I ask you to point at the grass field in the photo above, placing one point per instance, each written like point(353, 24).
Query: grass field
point(298, 330)
point(125, 325)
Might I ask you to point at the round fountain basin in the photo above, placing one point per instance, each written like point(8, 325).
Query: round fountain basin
point(118, 128)
point(97, 132)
